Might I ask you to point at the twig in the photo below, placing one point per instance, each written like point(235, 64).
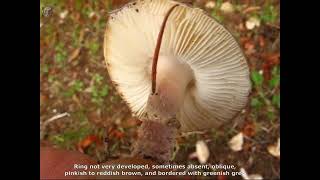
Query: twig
point(265, 129)
point(58, 116)
point(45, 124)
point(275, 171)
point(276, 43)
point(250, 9)
point(191, 133)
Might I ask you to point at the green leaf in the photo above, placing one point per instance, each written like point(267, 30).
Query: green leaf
point(94, 91)
point(217, 16)
point(58, 139)
point(69, 93)
point(94, 47)
point(61, 54)
point(270, 115)
point(276, 100)
point(60, 57)
point(45, 68)
point(215, 11)
point(275, 71)
point(78, 5)
point(274, 82)
point(269, 14)
point(78, 86)
point(75, 36)
point(97, 78)
point(257, 78)
point(68, 137)
point(218, 3)
point(51, 79)
point(256, 103)
point(104, 91)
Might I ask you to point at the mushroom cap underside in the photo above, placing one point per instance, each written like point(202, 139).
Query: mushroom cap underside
point(221, 75)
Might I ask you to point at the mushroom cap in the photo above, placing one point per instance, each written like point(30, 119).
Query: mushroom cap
point(221, 83)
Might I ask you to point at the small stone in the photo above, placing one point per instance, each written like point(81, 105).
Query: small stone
point(227, 8)
point(202, 152)
point(252, 22)
point(63, 14)
point(236, 142)
point(210, 5)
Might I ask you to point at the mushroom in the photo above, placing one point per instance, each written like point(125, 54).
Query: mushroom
point(177, 68)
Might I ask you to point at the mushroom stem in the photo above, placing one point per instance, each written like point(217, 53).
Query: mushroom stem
point(155, 141)
point(157, 49)
point(174, 77)
point(156, 135)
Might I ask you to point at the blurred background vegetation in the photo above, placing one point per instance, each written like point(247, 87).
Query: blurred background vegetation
point(80, 109)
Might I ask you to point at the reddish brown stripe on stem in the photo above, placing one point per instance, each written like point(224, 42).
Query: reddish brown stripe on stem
point(157, 49)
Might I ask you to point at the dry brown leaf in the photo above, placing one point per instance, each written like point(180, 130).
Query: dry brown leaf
point(43, 99)
point(119, 3)
point(236, 142)
point(202, 152)
point(81, 36)
point(274, 149)
point(244, 39)
point(86, 142)
point(261, 41)
point(249, 129)
point(249, 47)
point(74, 54)
point(117, 134)
point(272, 58)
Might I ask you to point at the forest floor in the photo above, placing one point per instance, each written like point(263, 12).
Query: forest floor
point(89, 116)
